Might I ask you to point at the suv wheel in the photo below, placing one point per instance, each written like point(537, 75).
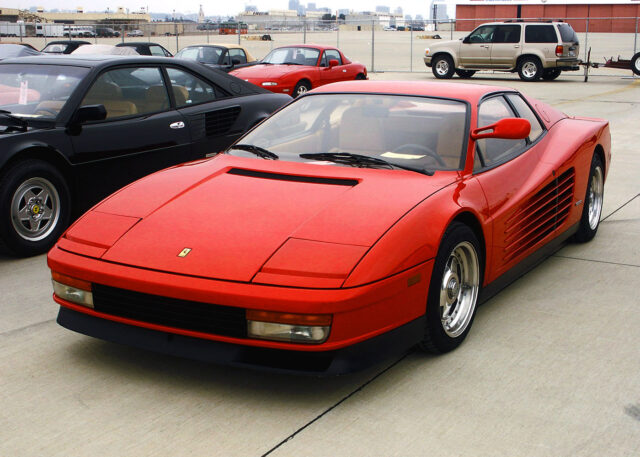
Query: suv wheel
point(465, 74)
point(550, 74)
point(442, 67)
point(529, 69)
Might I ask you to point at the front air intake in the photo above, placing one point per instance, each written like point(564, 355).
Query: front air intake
point(540, 215)
point(294, 178)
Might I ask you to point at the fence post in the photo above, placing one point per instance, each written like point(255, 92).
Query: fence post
point(175, 29)
point(373, 43)
point(338, 37)
point(207, 32)
point(411, 51)
point(240, 31)
point(586, 39)
point(635, 38)
point(451, 25)
point(122, 33)
point(304, 31)
point(20, 27)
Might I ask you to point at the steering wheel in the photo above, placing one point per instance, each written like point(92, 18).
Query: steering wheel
point(423, 149)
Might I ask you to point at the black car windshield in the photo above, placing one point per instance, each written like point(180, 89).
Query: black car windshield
point(417, 133)
point(293, 56)
point(37, 91)
point(203, 54)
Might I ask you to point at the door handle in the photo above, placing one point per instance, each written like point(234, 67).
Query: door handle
point(484, 46)
point(177, 125)
point(516, 45)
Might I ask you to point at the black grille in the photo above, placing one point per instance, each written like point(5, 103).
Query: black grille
point(220, 121)
point(171, 312)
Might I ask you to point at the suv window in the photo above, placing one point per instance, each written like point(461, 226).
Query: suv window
point(507, 34)
point(526, 113)
point(567, 34)
point(540, 34)
point(493, 151)
point(483, 34)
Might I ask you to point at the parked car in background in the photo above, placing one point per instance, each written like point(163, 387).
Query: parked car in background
point(63, 46)
point(8, 51)
point(362, 219)
point(104, 49)
point(532, 49)
point(75, 128)
point(146, 48)
point(136, 32)
point(19, 43)
point(297, 69)
point(107, 32)
point(223, 57)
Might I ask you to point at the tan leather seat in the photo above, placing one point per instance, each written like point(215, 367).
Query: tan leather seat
point(155, 100)
point(49, 108)
point(181, 94)
point(359, 133)
point(110, 95)
point(450, 139)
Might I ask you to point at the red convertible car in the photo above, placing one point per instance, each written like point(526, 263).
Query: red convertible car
point(294, 70)
point(315, 245)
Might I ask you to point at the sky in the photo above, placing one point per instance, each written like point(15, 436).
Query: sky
point(214, 8)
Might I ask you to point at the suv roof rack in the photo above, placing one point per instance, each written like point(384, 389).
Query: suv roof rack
point(534, 20)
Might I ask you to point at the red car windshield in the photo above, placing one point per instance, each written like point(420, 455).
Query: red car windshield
point(293, 56)
point(411, 132)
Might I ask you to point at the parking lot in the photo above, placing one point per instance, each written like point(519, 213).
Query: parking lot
point(550, 368)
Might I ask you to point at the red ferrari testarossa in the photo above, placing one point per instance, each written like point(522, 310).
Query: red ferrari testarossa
point(360, 220)
point(294, 70)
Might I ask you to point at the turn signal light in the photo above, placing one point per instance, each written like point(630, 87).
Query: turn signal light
point(289, 327)
point(72, 289)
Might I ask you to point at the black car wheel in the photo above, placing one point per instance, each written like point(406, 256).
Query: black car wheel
point(635, 63)
point(301, 88)
point(453, 290)
point(465, 74)
point(360, 76)
point(442, 67)
point(529, 69)
point(550, 74)
point(592, 203)
point(34, 207)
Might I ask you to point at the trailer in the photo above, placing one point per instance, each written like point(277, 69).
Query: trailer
point(50, 30)
point(12, 29)
point(632, 64)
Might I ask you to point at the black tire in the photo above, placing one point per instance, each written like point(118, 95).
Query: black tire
point(301, 88)
point(465, 74)
point(635, 63)
point(442, 67)
point(550, 74)
point(529, 68)
point(360, 76)
point(37, 232)
point(592, 203)
point(437, 339)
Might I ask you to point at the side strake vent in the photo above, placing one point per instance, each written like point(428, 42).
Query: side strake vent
point(540, 215)
point(294, 178)
point(220, 121)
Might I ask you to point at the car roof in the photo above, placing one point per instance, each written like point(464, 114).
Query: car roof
point(136, 43)
point(88, 60)
point(321, 47)
point(472, 93)
point(67, 42)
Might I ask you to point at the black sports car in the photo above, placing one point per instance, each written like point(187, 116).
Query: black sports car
point(63, 46)
point(222, 57)
point(146, 49)
point(74, 129)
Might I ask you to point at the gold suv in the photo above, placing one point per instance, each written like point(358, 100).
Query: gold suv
point(533, 49)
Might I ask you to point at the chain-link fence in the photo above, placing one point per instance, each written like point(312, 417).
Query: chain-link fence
point(380, 46)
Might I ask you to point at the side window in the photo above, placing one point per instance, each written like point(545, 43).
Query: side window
point(238, 54)
point(156, 51)
point(189, 89)
point(493, 150)
point(540, 34)
point(507, 34)
point(333, 54)
point(526, 113)
point(482, 34)
point(129, 91)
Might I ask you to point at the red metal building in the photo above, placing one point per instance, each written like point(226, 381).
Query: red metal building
point(608, 16)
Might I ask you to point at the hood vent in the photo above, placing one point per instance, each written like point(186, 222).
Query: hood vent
point(220, 121)
point(540, 215)
point(293, 178)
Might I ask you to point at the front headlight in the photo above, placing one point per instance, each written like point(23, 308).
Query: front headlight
point(269, 83)
point(72, 289)
point(289, 327)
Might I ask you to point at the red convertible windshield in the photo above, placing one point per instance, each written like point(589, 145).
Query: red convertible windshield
point(417, 133)
point(293, 56)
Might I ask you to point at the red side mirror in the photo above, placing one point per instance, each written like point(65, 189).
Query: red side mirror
point(333, 63)
point(510, 128)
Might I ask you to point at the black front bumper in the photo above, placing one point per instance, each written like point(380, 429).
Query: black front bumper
point(329, 363)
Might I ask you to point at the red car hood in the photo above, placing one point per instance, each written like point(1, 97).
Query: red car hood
point(263, 71)
point(237, 215)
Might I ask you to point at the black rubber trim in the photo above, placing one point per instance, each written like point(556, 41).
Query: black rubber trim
point(283, 177)
point(329, 363)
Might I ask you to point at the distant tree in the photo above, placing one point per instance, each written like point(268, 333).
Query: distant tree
point(341, 17)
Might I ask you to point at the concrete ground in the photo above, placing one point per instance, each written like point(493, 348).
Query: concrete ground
point(550, 368)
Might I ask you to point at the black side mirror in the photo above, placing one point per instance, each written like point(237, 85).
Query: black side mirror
point(89, 113)
point(466, 40)
point(235, 61)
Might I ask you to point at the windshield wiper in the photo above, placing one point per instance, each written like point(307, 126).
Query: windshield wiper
point(257, 150)
point(15, 120)
point(359, 160)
